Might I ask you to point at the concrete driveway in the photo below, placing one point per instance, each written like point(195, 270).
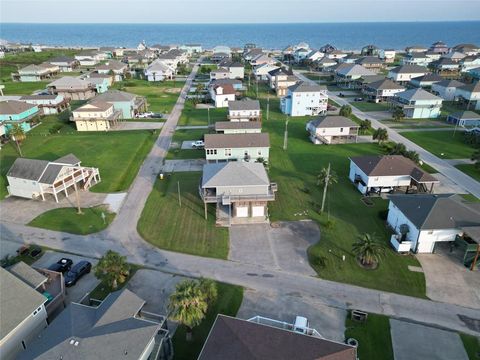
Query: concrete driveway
point(137, 125)
point(83, 286)
point(183, 165)
point(448, 280)
point(281, 246)
point(412, 341)
point(328, 321)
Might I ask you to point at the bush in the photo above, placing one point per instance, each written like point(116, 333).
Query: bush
point(320, 261)
point(383, 214)
point(329, 224)
point(55, 129)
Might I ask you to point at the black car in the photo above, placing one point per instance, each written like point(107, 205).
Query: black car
point(62, 265)
point(76, 272)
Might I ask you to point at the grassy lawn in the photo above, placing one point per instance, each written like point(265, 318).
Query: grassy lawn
point(186, 135)
point(374, 340)
point(370, 106)
point(118, 154)
point(228, 302)
point(23, 88)
point(161, 96)
point(167, 225)
point(295, 172)
point(103, 289)
point(435, 142)
point(68, 220)
point(193, 117)
point(470, 170)
point(472, 346)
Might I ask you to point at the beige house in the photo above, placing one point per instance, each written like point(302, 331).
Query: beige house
point(33, 179)
point(332, 130)
point(73, 88)
point(95, 116)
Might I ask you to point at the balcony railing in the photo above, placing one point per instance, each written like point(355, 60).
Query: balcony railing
point(211, 196)
point(283, 325)
point(398, 245)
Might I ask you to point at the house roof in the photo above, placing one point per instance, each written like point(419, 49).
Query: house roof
point(236, 339)
point(115, 96)
point(94, 105)
point(472, 88)
point(391, 165)
point(417, 55)
point(303, 86)
point(39, 97)
point(354, 69)
point(226, 81)
point(449, 83)
point(428, 78)
point(437, 211)
point(112, 65)
point(36, 68)
point(158, 65)
point(369, 60)
point(230, 141)
point(385, 84)
point(227, 88)
point(280, 71)
point(69, 82)
point(465, 115)
point(246, 104)
point(27, 274)
point(14, 107)
point(69, 159)
point(333, 122)
point(62, 59)
point(18, 300)
point(224, 125)
point(220, 70)
point(409, 69)
point(417, 94)
point(109, 331)
point(234, 173)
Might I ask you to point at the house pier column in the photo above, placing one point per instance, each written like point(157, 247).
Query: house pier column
point(55, 194)
point(65, 187)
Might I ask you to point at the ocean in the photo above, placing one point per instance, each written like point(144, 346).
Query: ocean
point(395, 35)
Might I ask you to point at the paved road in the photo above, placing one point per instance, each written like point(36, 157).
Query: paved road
point(466, 182)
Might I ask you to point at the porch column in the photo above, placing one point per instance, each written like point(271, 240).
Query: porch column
point(205, 208)
point(65, 188)
point(55, 194)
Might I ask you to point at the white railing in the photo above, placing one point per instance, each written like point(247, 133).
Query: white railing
point(283, 325)
point(400, 246)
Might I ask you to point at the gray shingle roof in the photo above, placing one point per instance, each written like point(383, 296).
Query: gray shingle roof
point(237, 339)
point(417, 94)
point(432, 211)
point(385, 84)
point(110, 331)
point(464, 115)
point(17, 301)
point(28, 169)
point(230, 141)
point(428, 78)
point(27, 274)
point(333, 122)
point(222, 125)
point(14, 107)
point(303, 86)
point(449, 83)
point(115, 96)
point(246, 104)
point(234, 173)
point(391, 165)
point(409, 69)
point(473, 88)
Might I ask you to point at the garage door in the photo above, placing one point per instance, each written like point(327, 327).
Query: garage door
point(258, 211)
point(242, 211)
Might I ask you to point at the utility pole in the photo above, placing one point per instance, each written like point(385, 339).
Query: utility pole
point(327, 179)
point(77, 197)
point(208, 112)
point(268, 105)
point(285, 137)
point(18, 145)
point(179, 197)
point(257, 87)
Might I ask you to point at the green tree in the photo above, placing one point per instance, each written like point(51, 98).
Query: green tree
point(325, 178)
point(368, 249)
point(365, 126)
point(476, 157)
point(188, 305)
point(380, 134)
point(17, 134)
point(209, 289)
point(398, 114)
point(346, 110)
point(112, 269)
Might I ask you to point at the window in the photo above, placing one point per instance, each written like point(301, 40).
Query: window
point(341, 129)
point(259, 152)
point(228, 152)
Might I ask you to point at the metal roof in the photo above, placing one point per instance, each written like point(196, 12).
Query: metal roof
point(234, 173)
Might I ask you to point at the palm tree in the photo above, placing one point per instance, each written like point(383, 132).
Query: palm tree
point(398, 114)
point(112, 268)
point(326, 177)
point(345, 110)
point(209, 289)
point(368, 249)
point(188, 305)
point(17, 134)
point(365, 125)
point(381, 135)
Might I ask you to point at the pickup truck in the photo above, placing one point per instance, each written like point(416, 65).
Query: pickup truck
point(199, 144)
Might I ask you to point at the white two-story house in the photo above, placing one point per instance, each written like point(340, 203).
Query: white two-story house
point(305, 99)
point(403, 74)
point(381, 90)
point(332, 130)
point(222, 94)
point(244, 110)
point(417, 103)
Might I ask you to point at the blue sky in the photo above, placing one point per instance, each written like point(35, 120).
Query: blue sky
point(235, 11)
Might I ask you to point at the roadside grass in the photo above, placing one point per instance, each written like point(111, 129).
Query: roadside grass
point(102, 290)
point(228, 302)
point(436, 142)
point(23, 88)
point(167, 225)
point(429, 168)
point(374, 339)
point(68, 220)
point(117, 154)
point(27, 259)
point(194, 117)
point(186, 135)
point(470, 170)
point(472, 346)
point(366, 106)
point(295, 171)
point(470, 197)
point(161, 96)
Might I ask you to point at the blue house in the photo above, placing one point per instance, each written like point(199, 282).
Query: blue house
point(17, 112)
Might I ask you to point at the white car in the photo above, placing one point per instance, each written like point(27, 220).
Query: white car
point(199, 144)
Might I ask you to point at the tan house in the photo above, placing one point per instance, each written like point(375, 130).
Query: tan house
point(73, 88)
point(95, 116)
point(332, 130)
point(32, 73)
point(33, 179)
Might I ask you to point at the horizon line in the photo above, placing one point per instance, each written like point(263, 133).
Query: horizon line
point(240, 23)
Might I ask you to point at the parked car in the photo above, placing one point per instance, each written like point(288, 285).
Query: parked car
point(199, 144)
point(358, 99)
point(341, 95)
point(63, 265)
point(76, 272)
point(157, 115)
point(35, 251)
point(145, 115)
